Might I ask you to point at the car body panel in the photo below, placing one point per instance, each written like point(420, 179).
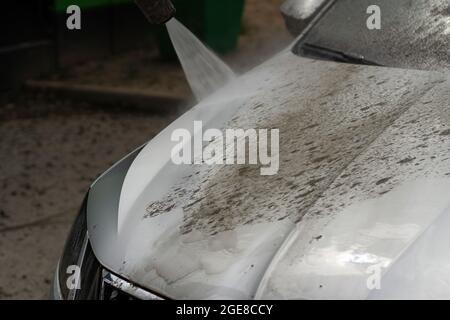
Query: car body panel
point(398, 222)
point(414, 34)
point(298, 14)
point(347, 134)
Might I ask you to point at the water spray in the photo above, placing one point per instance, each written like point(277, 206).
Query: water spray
point(205, 72)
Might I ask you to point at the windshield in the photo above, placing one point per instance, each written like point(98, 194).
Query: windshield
point(414, 34)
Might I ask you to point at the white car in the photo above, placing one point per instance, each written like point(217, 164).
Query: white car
point(359, 207)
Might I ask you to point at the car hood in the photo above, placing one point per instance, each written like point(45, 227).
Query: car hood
point(363, 176)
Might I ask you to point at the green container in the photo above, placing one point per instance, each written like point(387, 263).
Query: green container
point(216, 23)
point(61, 5)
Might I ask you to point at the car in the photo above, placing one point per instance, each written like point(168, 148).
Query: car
point(359, 206)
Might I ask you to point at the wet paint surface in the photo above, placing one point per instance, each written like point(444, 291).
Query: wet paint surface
point(376, 209)
point(414, 34)
point(346, 109)
point(302, 9)
point(348, 134)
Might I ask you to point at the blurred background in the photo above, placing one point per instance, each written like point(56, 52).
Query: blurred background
point(73, 102)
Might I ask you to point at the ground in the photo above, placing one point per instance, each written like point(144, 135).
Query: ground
point(47, 163)
point(50, 151)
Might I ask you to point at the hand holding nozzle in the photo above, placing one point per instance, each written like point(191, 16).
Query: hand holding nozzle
point(157, 11)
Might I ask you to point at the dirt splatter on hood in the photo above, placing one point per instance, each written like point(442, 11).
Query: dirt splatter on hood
point(321, 131)
point(347, 134)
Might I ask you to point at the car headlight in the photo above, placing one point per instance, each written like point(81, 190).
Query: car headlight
point(78, 274)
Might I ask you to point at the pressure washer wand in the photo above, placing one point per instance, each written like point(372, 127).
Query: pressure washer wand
point(157, 11)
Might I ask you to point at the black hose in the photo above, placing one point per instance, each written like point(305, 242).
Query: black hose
point(157, 11)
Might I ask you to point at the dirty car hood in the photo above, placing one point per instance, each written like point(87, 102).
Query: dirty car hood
point(364, 169)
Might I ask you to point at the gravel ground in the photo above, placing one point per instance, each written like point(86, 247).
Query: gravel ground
point(51, 152)
point(47, 162)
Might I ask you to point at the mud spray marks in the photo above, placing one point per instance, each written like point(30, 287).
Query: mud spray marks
point(236, 146)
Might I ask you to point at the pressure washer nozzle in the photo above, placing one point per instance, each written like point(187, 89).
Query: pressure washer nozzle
point(157, 11)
